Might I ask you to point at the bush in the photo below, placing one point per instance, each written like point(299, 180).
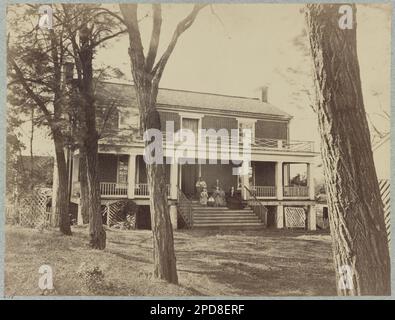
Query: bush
point(92, 277)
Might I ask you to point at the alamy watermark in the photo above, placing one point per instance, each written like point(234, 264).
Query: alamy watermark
point(204, 145)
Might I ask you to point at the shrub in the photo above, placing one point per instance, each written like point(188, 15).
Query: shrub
point(92, 277)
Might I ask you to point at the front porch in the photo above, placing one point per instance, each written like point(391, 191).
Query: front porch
point(119, 190)
point(129, 180)
point(124, 176)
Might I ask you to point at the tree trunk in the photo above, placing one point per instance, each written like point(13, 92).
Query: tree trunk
point(360, 244)
point(163, 244)
point(97, 233)
point(62, 201)
point(84, 189)
point(165, 266)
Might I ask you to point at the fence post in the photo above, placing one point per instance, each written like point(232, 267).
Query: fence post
point(108, 213)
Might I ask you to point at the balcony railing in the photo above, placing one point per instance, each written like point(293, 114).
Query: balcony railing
point(113, 189)
point(258, 143)
point(263, 191)
point(299, 191)
point(141, 190)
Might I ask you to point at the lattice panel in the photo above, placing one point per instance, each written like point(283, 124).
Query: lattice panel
point(385, 196)
point(31, 210)
point(117, 212)
point(294, 217)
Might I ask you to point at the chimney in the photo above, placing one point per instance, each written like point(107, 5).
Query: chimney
point(68, 72)
point(263, 97)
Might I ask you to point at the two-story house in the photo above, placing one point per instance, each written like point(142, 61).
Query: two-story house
point(267, 185)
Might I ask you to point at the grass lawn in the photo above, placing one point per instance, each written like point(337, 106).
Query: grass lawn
point(210, 263)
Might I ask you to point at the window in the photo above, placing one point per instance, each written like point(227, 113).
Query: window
point(122, 119)
point(122, 169)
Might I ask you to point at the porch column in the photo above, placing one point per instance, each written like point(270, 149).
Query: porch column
point(245, 181)
point(279, 180)
point(173, 215)
point(173, 181)
point(80, 220)
point(131, 175)
point(280, 217)
point(55, 187)
point(310, 180)
point(311, 218)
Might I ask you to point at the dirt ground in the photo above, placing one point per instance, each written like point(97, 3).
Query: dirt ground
point(210, 263)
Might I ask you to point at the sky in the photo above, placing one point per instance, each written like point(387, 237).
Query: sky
point(236, 49)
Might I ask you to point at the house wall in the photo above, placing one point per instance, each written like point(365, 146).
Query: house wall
point(169, 116)
point(213, 122)
point(108, 167)
point(264, 173)
point(271, 129)
point(223, 172)
point(141, 169)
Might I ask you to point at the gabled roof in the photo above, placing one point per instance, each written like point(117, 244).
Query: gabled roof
point(195, 101)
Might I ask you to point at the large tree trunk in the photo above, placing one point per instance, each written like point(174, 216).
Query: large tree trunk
point(165, 266)
point(62, 201)
point(84, 189)
point(163, 253)
point(360, 244)
point(97, 233)
point(146, 76)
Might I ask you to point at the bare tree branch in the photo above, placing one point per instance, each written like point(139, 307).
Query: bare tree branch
point(136, 50)
point(181, 27)
point(155, 36)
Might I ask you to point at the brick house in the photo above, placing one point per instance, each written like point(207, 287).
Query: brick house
point(268, 185)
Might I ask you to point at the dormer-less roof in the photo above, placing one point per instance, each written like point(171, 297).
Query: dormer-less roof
point(195, 101)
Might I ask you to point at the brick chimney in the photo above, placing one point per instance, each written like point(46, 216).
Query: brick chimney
point(263, 97)
point(68, 72)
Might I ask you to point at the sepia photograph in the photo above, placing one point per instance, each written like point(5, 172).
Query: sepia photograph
point(197, 150)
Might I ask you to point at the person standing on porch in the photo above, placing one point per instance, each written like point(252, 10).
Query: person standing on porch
point(204, 197)
point(200, 185)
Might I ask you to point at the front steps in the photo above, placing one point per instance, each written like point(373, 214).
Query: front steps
point(222, 217)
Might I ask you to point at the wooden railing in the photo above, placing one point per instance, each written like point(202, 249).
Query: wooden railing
point(142, 190)
point(259, 209)
point(296, 191)
point(113, 189)
point(260, 143)
point(185, 208)
point(263, 191)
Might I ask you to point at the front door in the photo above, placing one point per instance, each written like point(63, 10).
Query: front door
point(189, 177)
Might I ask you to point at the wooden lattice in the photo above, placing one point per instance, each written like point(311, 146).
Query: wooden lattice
point(31, 210)
point(122, 211)
point(295, 217)
point(385, 196)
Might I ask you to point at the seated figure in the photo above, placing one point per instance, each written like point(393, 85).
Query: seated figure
point(219, 197)
point(203, 197)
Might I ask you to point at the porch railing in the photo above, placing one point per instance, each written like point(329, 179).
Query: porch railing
point(185, 208)
point(298, 191)
point(260, 143)
point(263, 191)
point(259, 209)
point(142, 190)
point(114, 189)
